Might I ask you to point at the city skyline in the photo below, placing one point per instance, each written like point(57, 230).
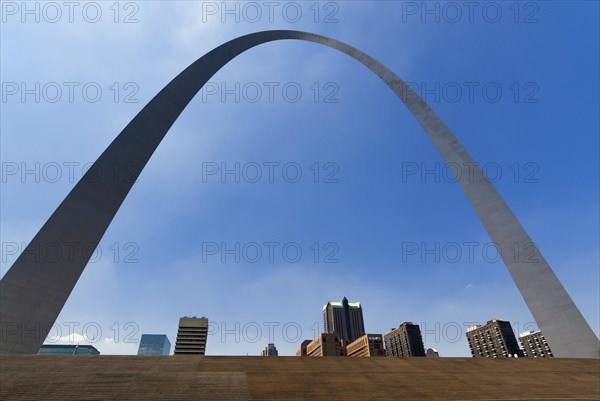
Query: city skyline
point(404, 341)
point(448, 308)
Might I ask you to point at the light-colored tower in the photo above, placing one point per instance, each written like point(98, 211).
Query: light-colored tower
point(326, 344)
point(366, 346)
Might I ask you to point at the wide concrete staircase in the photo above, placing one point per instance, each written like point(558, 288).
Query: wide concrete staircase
point(37, 377)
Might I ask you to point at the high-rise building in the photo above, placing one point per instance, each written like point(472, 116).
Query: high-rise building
point(404, 341)
point(432, 353)
point(367, 345)
point(344, 319)
point(326, 344)
point(154, 344)
point(496, 339)
point(270, 350)
point(302, 349)
point(191, 336)
point(68, 349)
point(535, 345)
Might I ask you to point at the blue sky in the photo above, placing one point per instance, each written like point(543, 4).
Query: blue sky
point(519, 89)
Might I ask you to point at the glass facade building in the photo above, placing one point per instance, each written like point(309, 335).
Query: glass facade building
point(61, 349)
point(154, 344)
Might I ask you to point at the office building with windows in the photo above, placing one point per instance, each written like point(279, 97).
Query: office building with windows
point(191, 336)
point(344, 319)
point(405, 341)
point(326, 344)
point(154, 345)
point(496, 339)
point(367, 345)
point(535, 345)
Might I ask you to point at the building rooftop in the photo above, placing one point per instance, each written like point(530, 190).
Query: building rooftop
point(340, 304)
point(528, 333)
point(66, 349)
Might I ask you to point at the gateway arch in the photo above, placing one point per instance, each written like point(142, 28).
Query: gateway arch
point(35, 289)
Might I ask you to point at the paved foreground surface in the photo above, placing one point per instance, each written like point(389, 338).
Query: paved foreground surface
point(49, 377)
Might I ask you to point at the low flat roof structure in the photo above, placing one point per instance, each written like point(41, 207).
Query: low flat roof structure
point(107, 377)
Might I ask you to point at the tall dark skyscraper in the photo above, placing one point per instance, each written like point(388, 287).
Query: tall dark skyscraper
point(191, 336)
point(496, 339)
point(344, 319)
point(270, 350)
point(154, 345)
point(404, 341)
